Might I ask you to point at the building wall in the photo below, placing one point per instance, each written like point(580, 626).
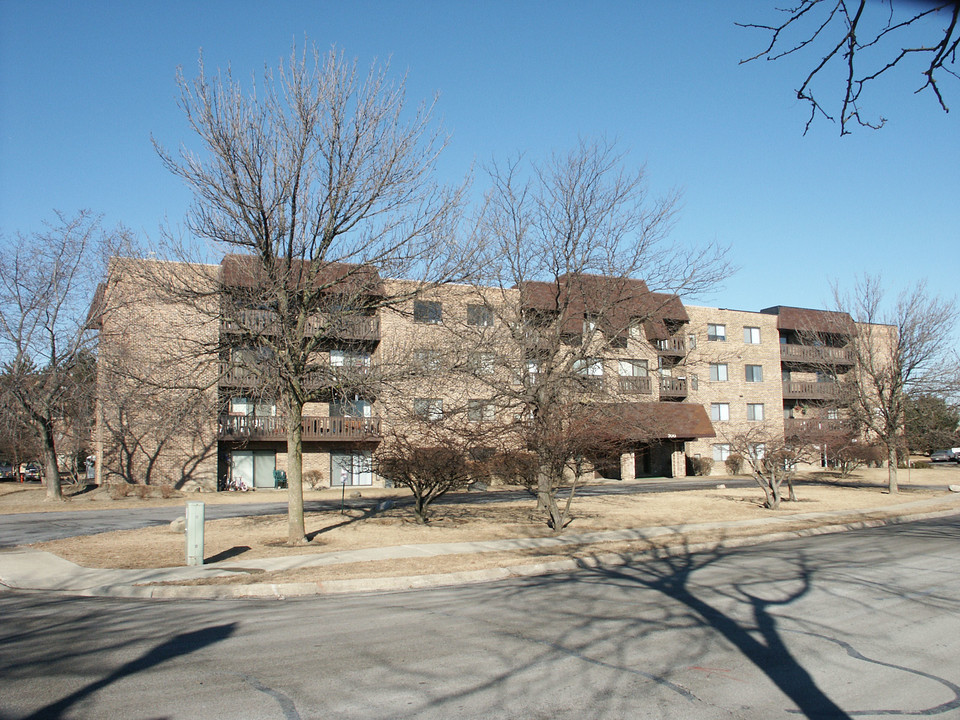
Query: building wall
point(736, 354)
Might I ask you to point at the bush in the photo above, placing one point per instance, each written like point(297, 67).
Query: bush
point(514, 468)
point(143, 491)
point(701, 465)
point(428, 472)
point(734, 463)
point(921, 465)
point(314, 478)
point(167, 491)
point(119, 490)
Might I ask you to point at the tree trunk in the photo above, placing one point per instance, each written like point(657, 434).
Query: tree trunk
point(51, 471)
point(296, 532)
point(892, 469)
point(546, 501)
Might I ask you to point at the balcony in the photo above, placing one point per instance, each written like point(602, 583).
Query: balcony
point(263, 322)
point(245, 378)
point(314, 428)
point(671, 347)
point(815, 354)
point(635, 385)
point(673, 387)
point(802, 426)
point(809, 390)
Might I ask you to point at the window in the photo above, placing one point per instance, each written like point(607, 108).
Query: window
point(717, 333)
point(428, 360)
point(753, 373)
point(757, 450)
point(718, 372)
point(349, 358)
point(691, 342)
point(480, 411)
point(633, 368)
point(589, 324)
point(428, 408)
point(833, 414)
point(721, 452)
point(751, 335)
point(633, 330)
point(427, 311)
point(694, 382)
point(755, 411)
point(591, 367)
point(246, 406)
point(481, 363)
point(479, 315)
point(720, 411)
point(785, 375)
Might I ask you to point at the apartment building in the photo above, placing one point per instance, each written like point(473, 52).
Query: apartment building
point(182, 398)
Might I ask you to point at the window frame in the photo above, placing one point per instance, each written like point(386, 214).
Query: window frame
point(718, 410)
point(753, 373)
point(430, 409)
point(479, 316)
point(428, 312)
point(480, 410)
point(717, 370)
point(721, 451)
point(752, 412)
point(748, 334)
point(716, 332)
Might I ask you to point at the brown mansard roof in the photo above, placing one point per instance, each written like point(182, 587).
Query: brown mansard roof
point(618, 300)
point(651, 421)
point(345, 278)
point(809, 320)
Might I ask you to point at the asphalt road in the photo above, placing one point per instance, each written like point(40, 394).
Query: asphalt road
point(862, 624)
point(26, 528)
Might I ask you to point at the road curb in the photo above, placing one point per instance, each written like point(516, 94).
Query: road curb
point(281, 591)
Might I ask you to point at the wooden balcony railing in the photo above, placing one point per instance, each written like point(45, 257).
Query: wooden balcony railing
point(314, 428)
point(263, 322)
point(674, 346)
point(809, 390)
point(673, 387)
point(800, 426)
point(816, 354)
point(635, 384)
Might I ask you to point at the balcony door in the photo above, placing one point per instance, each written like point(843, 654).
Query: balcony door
point(254, 467)
point(351, 468)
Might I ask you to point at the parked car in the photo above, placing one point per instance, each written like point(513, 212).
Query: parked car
point(6, 471)
point(943, 456)
point(29, 471)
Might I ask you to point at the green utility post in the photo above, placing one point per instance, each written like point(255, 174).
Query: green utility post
point(194, 529)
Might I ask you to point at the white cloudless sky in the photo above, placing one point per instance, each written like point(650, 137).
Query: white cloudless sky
point(84, 87)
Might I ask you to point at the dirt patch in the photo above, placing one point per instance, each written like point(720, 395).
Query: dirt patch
point(238, 539)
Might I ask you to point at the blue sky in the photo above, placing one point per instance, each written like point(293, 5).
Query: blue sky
point(84, 86)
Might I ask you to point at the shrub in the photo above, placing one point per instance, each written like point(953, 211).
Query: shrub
point(119, 490)
point(734, 463)
point(143, 491)
point(429, 473)
point(514, 468)
point(701, 465)
point(314, 478)
point(167, 491)
point(921, 465)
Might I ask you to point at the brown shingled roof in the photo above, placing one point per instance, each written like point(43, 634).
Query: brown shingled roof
point(651, 421)
point(618, 300)
point(347, 278)
point(810, 320)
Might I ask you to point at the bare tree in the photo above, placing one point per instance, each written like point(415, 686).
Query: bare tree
point(47, 280)
point(320, 179)
point(862, 41)
point(564, 244)
point(772, 459)
point(898, 350)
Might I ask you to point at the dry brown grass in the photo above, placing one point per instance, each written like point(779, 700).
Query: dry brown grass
point(263, 536)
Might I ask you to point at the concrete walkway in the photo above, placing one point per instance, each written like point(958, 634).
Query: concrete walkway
point(34, 570)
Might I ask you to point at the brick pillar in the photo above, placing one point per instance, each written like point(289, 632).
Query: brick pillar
point(628, 466)
point(678, 463)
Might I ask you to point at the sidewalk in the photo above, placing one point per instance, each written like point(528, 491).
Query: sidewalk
point(33, 570)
